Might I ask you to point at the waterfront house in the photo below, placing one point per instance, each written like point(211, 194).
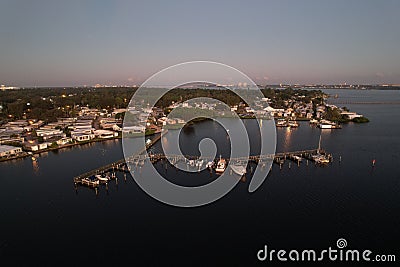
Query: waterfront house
point(64, 141)
point(108, 123)
point(34, 146)
point(8, 151)
point(81, 136)
point(134, 129)
point(104, 134)
point(11, 139)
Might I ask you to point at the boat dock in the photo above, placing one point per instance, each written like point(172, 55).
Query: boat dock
point(138, 160)
point(120, 165)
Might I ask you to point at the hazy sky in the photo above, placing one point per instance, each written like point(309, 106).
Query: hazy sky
point(60, 43)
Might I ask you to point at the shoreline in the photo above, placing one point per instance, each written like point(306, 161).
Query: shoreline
point(25, 154)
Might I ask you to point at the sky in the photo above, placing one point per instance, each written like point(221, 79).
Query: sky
point(72, 43)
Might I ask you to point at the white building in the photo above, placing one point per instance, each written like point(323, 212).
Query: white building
point(63, 141)
point(6, 151)
point(105, 134)
point(82, 136)
point(49, 133)
point(351, 115)
point(134, 129)
point(36, 147)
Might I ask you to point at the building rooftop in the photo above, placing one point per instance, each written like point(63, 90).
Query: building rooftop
point(4, 148)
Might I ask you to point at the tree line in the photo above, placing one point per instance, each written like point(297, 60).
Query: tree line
point(49, 103)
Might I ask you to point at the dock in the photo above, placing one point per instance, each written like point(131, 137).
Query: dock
point(119, 165)
point(138, 160)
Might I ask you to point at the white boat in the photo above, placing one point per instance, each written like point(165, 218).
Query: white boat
point(321, 159)
point(221, 165)
point(199, 163)
point(313, 121)
point(297, 158)
point(325, 126)
point(210, 164)
point(281, 123)
point(90, 180)
point(238, 169)
point(101, 178)
point(191, 163)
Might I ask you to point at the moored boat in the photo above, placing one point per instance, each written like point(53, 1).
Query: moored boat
point(281, 123)
point(326, 124)
point(210, 164)
point(199, 163)
point(102, 178)
point(293, 124)
point(321, 159)
point(91, 181)
point(221, 165)
point(296, 158)
point(238, 169)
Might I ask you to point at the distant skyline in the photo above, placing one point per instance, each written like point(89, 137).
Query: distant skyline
point(74, 43)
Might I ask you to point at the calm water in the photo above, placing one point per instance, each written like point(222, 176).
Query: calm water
point(44, 221)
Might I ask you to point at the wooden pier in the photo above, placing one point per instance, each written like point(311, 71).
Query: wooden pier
point(119, 165)
point(138, 160)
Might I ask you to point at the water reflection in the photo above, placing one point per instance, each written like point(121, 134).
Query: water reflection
point(287, 139)
point(35, 166)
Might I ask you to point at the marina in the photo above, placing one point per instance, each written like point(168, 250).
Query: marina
point(214, 165)
point(104, 174)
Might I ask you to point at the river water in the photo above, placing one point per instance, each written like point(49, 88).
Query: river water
point(44, 221)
